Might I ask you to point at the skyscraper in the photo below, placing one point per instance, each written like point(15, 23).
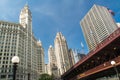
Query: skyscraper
point(52, 62)
point(25, 20)
point(18, 39)
point(40, 58)
point(46, 69)
point(97, 25)
point(71, 57)
point(78, 54)
point(118, 24)
point(61, 52)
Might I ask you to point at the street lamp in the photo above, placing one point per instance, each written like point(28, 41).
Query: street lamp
point(15, 61)
point(113, 63)
point(28, 76)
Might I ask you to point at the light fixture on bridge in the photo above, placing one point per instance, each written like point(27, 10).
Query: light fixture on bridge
point(113, 63)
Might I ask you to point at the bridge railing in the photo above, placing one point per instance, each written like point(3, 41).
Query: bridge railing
point(102, 67)
point(100, 46)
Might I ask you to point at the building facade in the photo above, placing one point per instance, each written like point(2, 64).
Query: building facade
point(53, 70)
point(118, 24)
point(18, 39)
point(78, 54)
point(40, 58)
point(47, 69)
point(61, 52)
point(71, 57)
point(97, 25)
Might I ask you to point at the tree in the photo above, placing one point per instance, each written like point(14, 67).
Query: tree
point(46, 77)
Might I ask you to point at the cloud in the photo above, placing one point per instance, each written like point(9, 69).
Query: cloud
point(9, 9)
point(45, 9)
point(50, 12)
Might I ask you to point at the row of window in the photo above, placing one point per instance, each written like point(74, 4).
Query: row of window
point(7, 25)
point(1, 50)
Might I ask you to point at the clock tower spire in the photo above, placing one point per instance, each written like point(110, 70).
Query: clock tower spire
point(25, 18)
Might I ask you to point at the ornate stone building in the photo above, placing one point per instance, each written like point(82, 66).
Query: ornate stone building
point(18, 39)
point(53, 70)
point(61, 52)
point(71, 57)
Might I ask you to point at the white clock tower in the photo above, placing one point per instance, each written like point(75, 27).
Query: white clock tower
point(25, 18)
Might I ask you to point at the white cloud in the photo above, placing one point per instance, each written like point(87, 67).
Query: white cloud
point(10, 9)
point(50, 11)
point(44, 9)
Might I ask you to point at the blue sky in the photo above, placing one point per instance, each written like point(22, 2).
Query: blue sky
point(51, 16)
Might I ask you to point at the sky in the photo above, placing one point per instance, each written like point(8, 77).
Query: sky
point(52, 16)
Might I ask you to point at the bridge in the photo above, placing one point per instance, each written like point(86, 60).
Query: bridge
point(97, 63)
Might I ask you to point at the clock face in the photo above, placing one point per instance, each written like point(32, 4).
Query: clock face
point(22, 16)
point(23, 19)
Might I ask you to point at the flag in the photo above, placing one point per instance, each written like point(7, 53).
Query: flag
point(110, 11)
point(82, 45)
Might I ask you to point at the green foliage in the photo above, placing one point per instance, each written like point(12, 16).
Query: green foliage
point(46, 77)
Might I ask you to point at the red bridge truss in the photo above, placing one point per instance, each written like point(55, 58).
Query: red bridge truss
point(97, 62)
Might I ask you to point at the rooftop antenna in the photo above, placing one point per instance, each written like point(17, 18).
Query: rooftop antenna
point(26, 3)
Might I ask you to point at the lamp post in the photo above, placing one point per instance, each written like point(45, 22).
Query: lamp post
point(15, 61)
point(113, 63)
point(28, 76)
